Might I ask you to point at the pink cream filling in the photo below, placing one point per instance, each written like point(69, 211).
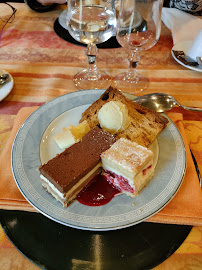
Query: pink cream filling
point(120, 182)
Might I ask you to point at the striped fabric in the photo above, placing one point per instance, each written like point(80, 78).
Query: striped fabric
point(43, 65)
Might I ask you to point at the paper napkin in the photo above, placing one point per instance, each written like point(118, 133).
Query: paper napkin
point(184, 26)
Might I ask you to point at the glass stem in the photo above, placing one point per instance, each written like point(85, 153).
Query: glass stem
point(91, 53)
point(134, 58)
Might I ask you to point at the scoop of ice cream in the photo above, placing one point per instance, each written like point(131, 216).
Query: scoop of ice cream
point(113, 117)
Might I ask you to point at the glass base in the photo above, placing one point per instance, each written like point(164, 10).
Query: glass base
point(133, 86)
point(84, 82)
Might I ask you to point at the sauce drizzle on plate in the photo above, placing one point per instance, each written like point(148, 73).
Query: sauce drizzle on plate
point(98, 192)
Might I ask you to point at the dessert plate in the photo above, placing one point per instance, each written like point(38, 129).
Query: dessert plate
point(6, 88)
point(33, 143)
point(184, 46)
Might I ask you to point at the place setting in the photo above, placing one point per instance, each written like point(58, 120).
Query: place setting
point(118, 219)
point(187, 37)
point(102, 176)
point(56, 115)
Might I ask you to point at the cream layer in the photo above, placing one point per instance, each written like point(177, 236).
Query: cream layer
point(138, 181)
point(62, 197)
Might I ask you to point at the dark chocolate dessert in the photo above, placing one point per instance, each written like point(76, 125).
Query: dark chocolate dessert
point(65, 175)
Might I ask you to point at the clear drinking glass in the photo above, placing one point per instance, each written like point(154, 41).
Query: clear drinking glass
point(138, 29)
point(91, 22)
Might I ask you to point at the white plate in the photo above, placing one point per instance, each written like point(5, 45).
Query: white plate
point(6, 88)
point(31, 144)
point(184, 46)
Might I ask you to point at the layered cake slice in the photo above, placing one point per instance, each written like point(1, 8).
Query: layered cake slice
point(65, 175)
point(128, 166)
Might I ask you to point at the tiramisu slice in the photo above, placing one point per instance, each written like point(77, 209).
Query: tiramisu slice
point(128, 166)
point(65, 175)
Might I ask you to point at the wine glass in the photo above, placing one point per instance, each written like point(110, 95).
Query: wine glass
point(138, 29)
point(91, 22)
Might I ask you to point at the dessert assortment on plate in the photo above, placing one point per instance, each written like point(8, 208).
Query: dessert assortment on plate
point(111, 139)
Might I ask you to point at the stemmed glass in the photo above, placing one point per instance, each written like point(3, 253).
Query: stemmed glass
point(91, 22)
point(7, 15)
point(138, 29)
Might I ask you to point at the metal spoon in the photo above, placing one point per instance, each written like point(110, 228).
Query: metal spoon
point(4, 78)
point(161, 102)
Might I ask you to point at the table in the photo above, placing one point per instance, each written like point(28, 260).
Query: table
point(43, 66)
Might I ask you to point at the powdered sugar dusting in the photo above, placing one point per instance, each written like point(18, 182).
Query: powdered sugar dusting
point(129, 155)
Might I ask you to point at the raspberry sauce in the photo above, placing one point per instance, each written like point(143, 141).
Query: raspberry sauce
point(98, 192)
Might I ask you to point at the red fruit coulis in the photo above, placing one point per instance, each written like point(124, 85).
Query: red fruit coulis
point(98, 192)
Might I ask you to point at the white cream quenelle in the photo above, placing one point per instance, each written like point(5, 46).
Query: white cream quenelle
point(113, 117)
